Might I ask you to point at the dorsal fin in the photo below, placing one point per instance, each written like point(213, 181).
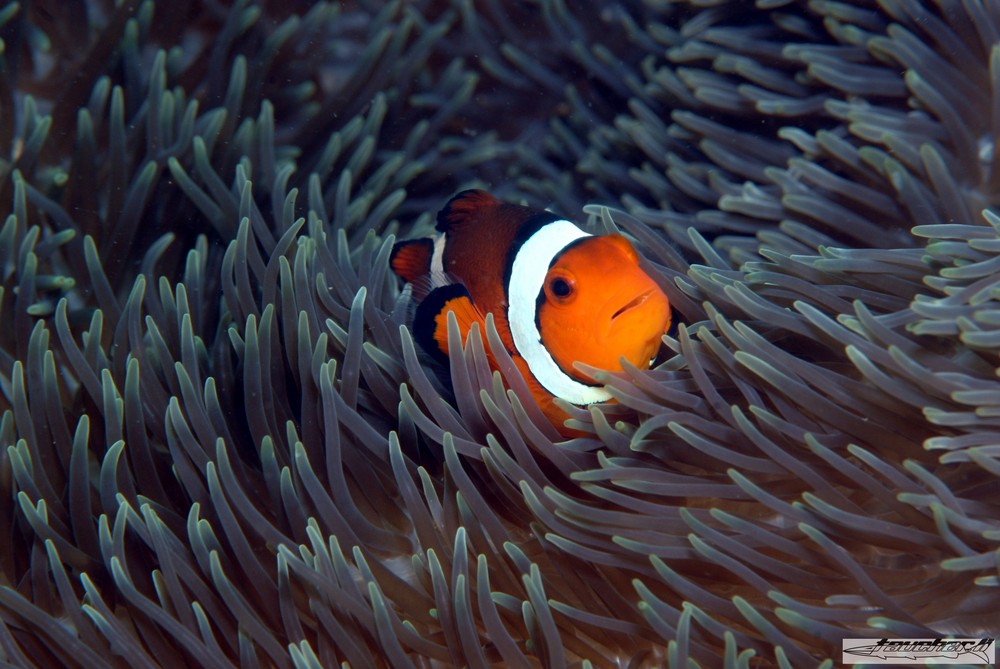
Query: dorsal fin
point(411, 259)
point(464, 208)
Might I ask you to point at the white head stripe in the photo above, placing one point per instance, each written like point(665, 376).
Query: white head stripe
point(527, 275)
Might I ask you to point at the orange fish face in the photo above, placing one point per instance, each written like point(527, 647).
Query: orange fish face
point(600, 306)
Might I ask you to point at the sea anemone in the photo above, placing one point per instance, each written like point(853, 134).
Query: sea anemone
point(223, 448)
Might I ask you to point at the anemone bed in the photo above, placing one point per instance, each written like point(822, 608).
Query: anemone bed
point(222, 449)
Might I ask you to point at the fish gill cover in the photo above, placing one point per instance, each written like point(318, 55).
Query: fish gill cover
point(222, 448)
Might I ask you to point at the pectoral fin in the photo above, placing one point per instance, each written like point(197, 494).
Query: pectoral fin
point(430, 325)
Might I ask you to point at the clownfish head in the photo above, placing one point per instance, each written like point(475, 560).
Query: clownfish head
point(597, 306)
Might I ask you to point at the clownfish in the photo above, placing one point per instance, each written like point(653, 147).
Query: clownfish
point(558, 295)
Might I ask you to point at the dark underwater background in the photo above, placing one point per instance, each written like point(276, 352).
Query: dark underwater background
point(222, 448)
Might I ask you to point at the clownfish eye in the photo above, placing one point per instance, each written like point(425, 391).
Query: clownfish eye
point(560, 288)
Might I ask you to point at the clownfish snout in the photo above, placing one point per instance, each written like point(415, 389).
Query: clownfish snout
point(638, 314)
point(635, 302)
point(641, 311)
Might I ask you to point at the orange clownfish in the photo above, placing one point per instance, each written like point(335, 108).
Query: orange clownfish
point(558, 295)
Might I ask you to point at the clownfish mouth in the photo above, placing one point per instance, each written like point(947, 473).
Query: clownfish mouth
point(632, 304)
